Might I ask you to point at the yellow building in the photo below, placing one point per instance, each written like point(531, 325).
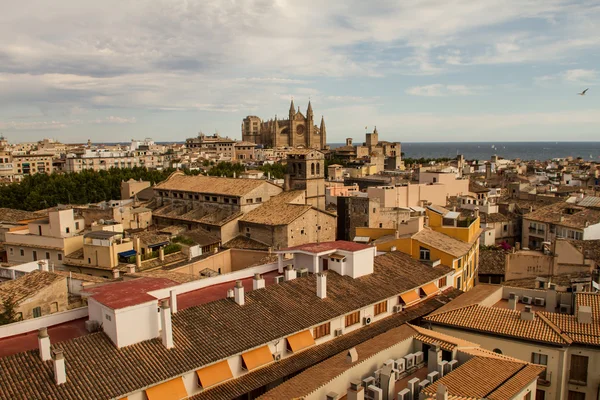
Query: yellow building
point(449, 239)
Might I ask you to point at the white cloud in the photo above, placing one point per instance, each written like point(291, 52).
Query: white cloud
point(571, 76)
point(440, 90)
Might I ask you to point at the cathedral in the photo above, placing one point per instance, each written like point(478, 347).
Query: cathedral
point(296, 131)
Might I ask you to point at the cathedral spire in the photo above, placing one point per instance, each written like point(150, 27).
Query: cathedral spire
point(322, 129)
point(292, 108)
point(309, 111)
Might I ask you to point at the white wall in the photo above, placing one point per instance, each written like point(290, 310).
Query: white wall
point(30, 325)
point(360, 263)
point(138, 323)
point(98, 312)
point(591, 232)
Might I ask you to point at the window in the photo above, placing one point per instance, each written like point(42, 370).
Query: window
point(89, 260)
point(34, 253)
point(380, 308)
point(579, 369)
point(527, 396)
point(442, 282)
point(576, 395)
point(380, 225)
point(22, 252)
point(352, 319)
point(226, 200)
point(459, 283)
point(47, 256)
point(505, 228)
point(37, 312)
point(206, 198)
point(68, 230)
point(76, 225)
point(322, 330)
point(214, 198)
point(11, 251)
point(374, 210)
point(258, 199)
point(542, 359)
point(59, 256)
point(498, 351)
point(424, 254)
point(249, 201)
point(108, 318)
point(459, 263)
point(540, 394)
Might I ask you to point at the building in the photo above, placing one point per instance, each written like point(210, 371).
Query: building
point(244, 151)
point(130, 188)
point(103, 160)
point(381, 154)
point(36, 294)
point(533, 325)
point(264, 336)
point(410, 362)
point(306, 171)
point(30, 164)
point(51, 238)
point(296, 131)
point(212, 145)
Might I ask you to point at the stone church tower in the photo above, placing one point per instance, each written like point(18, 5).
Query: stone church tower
point(306, 171)
point(297, 131)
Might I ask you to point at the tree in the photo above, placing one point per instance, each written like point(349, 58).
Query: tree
point(9, 313)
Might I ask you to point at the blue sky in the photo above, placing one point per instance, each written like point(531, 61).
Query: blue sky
point(427, 70)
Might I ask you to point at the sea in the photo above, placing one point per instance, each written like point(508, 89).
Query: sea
point(508, 150)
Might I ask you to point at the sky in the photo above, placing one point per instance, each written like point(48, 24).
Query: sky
point(421, 71)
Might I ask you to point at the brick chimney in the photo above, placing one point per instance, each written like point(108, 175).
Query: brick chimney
point(513, 299)
point(167, 328)
point(289, 273)
point(258, 282)
point(44, 344)
point(527, 314)
point(321, 285)
point(60, 372)
point(238, 293)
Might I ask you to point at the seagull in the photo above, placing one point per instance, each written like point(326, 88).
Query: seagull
point(583, 93)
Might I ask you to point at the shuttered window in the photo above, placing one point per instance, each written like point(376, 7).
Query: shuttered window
point(380, 308)
point(353, 318)
point(579, 369)
point(322, 330)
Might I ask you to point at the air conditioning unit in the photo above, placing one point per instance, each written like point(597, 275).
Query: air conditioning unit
point(419, 357)
point(565, 309)
point(539, 301)
point(373, 392)
point(366, 320)
point(92, 325)
point(368, 381)
point(302, 272)
point(526, 299)
point(410, 361)
point(401, 364)
point(277, 356)
point(337, 332)
point(279, 279)
point(398, 308)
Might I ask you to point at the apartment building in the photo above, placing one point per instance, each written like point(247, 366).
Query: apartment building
point(535, 326)
point(31, 164)
point(259, 338)
point(561, 220)
point(102, 160)
point(212, 145)
point(50, 238)
point(410, 362)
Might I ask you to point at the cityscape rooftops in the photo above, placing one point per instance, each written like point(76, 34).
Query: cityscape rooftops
point(128, 293)
point(210, 184)
point(317, 248)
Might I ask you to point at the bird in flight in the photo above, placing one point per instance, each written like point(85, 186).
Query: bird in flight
point(583, 93)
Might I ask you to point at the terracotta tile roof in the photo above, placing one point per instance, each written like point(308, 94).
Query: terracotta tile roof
point(438, 209)
point(476, 295)
point(276, 211)
point(492, 261)
point(271, 313)
point(589, 248)
point(501, 321)
point(517, 382)
point(81, 277)
point(561, 280)
point(446, 342)
point(442, 242)
point(589, 299)
point(243, 242)
point(553, 213)
point(29, 285)
point(151, 237)
point(178, 277)
point(12, 216)
point(128, 293)
point(314, 355)
point(477, 188)
point(493, 217)
point(201, 237)
point(316, 248)
point(324, 372)
point(210, 184)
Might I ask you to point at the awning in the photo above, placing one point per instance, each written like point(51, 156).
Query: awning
point(170, 390)
point(127, 253)
point(214, 374)
point(300, 341)
point(255, 358)
point(430, 288)
point(409, 297)
point(155, 245)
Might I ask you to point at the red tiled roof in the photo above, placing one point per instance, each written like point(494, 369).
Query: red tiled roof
point(129, 293)
point(327, 246)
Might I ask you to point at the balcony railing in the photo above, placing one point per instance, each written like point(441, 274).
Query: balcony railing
point(545, 379)
point(535, 231)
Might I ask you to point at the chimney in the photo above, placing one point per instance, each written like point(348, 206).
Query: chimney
point(136, 246)
point(356, 391)
point(138, 260)
point(513, 299)
point(321, 285)
point(173, 301)
point(115, 273)
point(442, 392)
point(131, 268)
point(230, 293)
point(44, 344)
point(258, 282)
point(42, 265)
point(161, 253)
point(584, 314)
point(435, 357)
point(476, 212)
point(561, 218)
point(527, 314)
point(286, 182)
point(348, 141)
point(60, 373)
point(238, 293)
point(352, 356)
point(397, 234)
point(393, 248)
point(413, 386)
point(289, 273)
point(167, 329)
point(332, 396)
point(234, 175)
point(517, 246)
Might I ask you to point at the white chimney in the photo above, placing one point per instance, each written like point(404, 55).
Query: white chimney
point(60, 372)
point(230, 293)
point(321, 285)
point(43, 266)
point(435, 357)
point(173, 301)
point(289, 273)
point(527, 314)
point(115, 273)
point(238, 293)
point(167, 328)
point(356, 391)
point(352, 356)
point(584, 314)
point(258, 282)
point(131, 269)
point(44, 344)
point(442, 392)
point(513, 299)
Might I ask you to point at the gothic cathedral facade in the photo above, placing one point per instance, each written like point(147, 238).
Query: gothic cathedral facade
point(298, 131)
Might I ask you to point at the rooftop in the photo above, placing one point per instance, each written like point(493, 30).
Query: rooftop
point(278, 210)
point(440, 241)
point(28, 285)
point(317, 248)
point(12, 216)
point(492, 261)
point(566, 214)
point(128, 293)
point(210, 184)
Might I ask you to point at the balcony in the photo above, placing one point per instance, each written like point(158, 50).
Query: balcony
point(545, 379)
point(537, 232)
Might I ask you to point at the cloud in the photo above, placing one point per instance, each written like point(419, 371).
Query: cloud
point(576, 76)
point(114, 120)
point(440, 90)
